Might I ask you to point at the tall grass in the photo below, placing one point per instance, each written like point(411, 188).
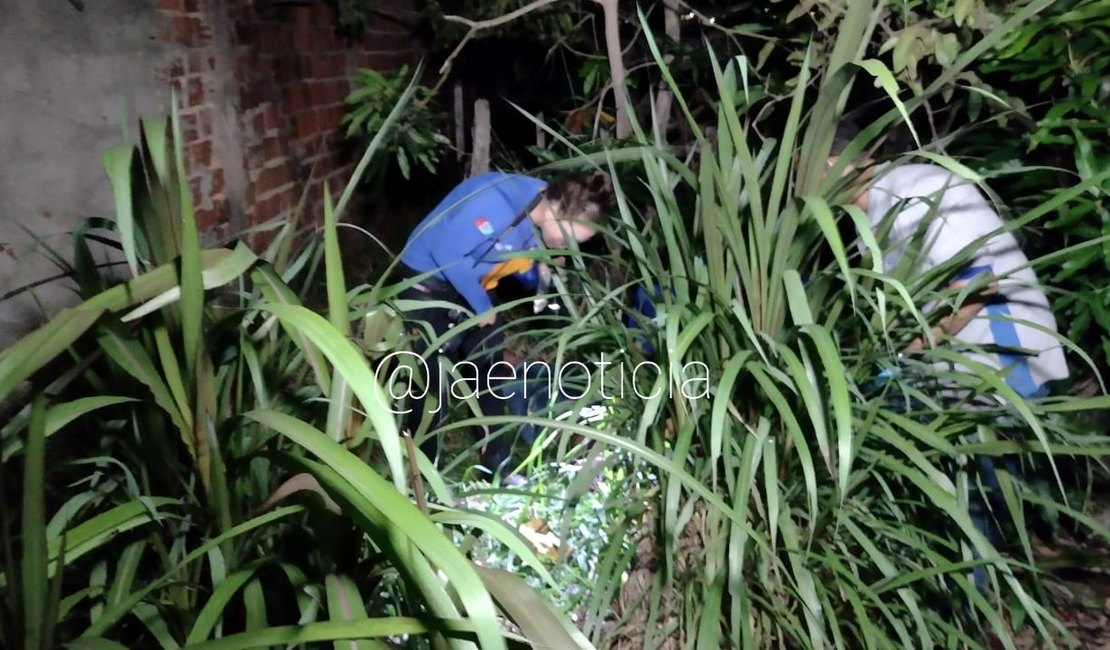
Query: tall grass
point(206, 462)
point(797, 505)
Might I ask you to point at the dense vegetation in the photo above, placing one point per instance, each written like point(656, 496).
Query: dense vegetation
point(204, 456)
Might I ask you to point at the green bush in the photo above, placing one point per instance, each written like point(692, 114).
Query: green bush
point(205, 462)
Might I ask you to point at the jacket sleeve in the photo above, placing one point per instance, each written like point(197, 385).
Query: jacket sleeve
point(950, 217)
point(460, 273)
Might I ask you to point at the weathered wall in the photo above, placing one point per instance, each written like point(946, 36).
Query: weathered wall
point(66, 77)
point(289, 70)
point(260, 86)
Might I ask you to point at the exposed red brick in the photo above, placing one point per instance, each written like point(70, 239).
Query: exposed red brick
point(272, 179)
point(204, 122)
point(288, 75)
point(269, 117)
point(273, 148)
point(217, 182)
point(304, 39)
point(272, 39)
point(298, 98)
point(322, 15)
point(306, 124)
point(175, 69)
point(206, 219)
point(190, 128)
point(195, 91)
point(198, 155)
point(196, 62)
point(194, 185)
point(257, 123)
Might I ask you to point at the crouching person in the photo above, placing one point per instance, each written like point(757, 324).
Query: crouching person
point(471, 241)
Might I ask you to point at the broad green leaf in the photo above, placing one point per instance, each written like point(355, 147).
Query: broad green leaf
point(113, 614)
point(102, 528)
point(374, 628)
point(405, 519)
point(117, 162)
point(233, 265)
point(345, 604)
point(57, 417)
point(541, 623)
point(40, 347)
point(350, 363)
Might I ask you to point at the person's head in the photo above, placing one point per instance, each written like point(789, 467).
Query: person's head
point(571, 208)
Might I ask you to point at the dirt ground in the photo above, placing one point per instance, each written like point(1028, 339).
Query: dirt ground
point(1077, 576)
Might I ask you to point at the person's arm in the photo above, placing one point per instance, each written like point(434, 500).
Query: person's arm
point(461, 275)
point(964, 216)
point(952, 324)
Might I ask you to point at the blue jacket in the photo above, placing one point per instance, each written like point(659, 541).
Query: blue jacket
point(643, 303)
point(469, 238)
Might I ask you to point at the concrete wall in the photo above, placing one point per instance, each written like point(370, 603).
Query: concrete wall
point(260, 87)
point(66, 76)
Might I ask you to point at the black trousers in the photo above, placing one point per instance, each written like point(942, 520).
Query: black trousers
point(480, 346)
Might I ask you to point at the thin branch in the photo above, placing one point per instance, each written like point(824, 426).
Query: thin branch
point(616, 66)
point(476, 26)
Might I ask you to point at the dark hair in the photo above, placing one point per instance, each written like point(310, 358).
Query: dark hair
point(846, 131)
point(582, 196)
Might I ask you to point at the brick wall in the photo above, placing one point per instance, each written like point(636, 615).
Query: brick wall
point(261, 88)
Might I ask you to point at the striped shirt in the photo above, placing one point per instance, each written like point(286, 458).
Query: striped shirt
point(949, 213)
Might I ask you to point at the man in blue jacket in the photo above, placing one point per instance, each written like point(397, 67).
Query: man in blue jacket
point(470, 242)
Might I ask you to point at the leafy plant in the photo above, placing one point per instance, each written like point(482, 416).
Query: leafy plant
point(797, 504)
point(1049, 83)
point(354, 14)
point(416, 138)
point(175, 416)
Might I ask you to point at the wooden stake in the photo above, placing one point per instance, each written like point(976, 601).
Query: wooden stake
point(479, 160)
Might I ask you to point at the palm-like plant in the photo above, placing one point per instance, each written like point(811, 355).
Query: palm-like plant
point(795, 506)
point(156, 457)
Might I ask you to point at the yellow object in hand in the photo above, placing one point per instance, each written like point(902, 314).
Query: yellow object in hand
point(504, 270)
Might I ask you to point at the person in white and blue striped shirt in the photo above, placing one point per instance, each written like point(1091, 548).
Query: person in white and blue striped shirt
point(933, 216)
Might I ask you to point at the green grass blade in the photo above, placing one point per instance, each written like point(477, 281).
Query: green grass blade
point(134, 360)
point(502, 533)
point(401, 514)
point(104, 527)
point(233, 265)
point(33, 574)
point(349, 362)
point(276, 291)
point(127, 569)
point(297, 635)
point(57, 417)
point(215, 605)
point(114, 613)
point(345, 604)
point(540, 623)
point(117, 162)
point(38, 348)
point(190, 280)
point(94, 643)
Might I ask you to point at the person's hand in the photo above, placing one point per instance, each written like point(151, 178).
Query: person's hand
point(883, 377)
point(488, 319)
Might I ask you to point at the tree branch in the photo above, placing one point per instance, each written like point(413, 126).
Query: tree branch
point(616, 66)
point(476, 26)
point(664, 99)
